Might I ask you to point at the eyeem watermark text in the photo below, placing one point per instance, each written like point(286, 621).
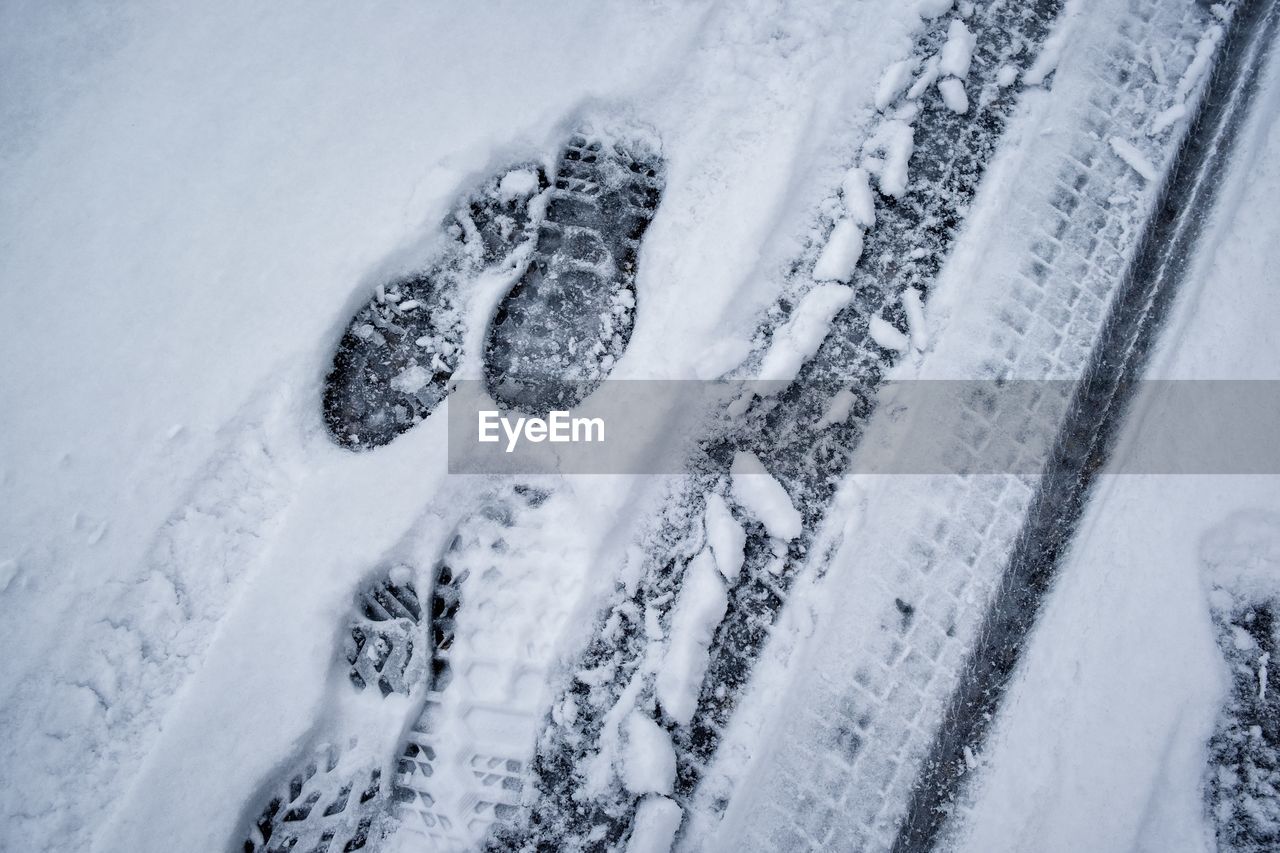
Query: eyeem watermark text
point(556, 427)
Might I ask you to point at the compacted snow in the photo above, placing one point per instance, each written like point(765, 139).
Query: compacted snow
point(1102, 746)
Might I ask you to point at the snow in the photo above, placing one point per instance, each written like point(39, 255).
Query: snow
point(917, 327)
point(957, 53)
point(1136, 160)
point(1101, 745)
point(894, 81)
point(725, 537)
point(838, 409)
point(803, 332)
point(763, 497)
point(1007, 76)
point(654, 827)
point(894, 141)
point(1051, 53)
point(648, 759)
point(519, 183)
point(886, 335)
point(929, 9)
point(172, 595)
point(197, 201)
point(701, 605)
point(953, 95)
point(412, 379)
point(859, 203)
point(926, 79)
point(1199, 63)
point(1167, 118)
point(840, 254)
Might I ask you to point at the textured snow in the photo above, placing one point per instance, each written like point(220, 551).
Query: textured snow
point(1101, 745)
point(648, 759)
point(763, 497)
point(957, 53)
point(701, 605)
point(196, 200)
point(840, 254)
point(802, 334)
point(654, 827)
point(725, 537)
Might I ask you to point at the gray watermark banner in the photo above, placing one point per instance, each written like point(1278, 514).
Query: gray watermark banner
point(902, 427)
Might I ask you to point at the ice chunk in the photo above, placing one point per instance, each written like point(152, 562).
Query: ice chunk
point(838, 409)
point(763, 497)
point(925, 80)
point(841, 253)
point(1167, 117)
point(895, 140)
point(521, 183)
point(802, 334)
point(894, 81)
point(411, 380)
point(884, 334)
point(653, 830)
point(648, 759)
point(953, 95)
point(859, 203)
point(929, 9)
point(1199, 63)
point(1137, 161)
point(702, 604)
point(1006, 76)
point(916, 327)
point(957, 53)
point(725, 536)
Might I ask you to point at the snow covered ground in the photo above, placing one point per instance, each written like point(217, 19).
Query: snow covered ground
point(197, 202)
point(1102, 742)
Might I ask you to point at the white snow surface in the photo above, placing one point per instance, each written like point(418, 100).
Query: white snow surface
point(701, 605)
point(763, 497)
